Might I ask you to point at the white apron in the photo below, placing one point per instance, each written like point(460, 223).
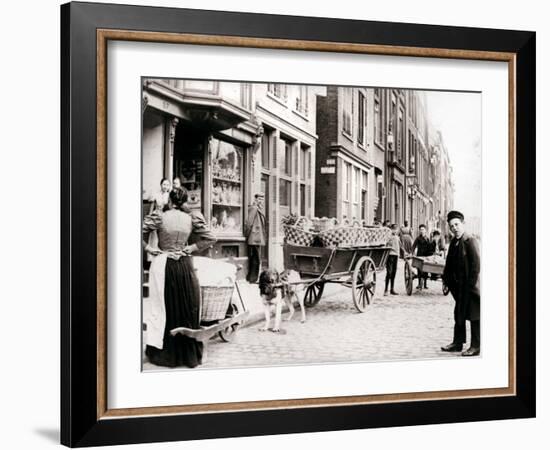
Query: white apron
point(154, 310)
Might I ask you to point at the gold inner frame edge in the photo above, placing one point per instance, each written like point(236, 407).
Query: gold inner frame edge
point(103, 36)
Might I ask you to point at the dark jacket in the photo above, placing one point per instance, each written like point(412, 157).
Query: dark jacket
point(461, 275)
point(423, 246)
point(255, 226)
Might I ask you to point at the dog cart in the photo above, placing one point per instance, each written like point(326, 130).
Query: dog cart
point(424, 264)
point(352, 266)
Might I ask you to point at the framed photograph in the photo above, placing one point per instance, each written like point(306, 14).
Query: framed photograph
point(279, 224)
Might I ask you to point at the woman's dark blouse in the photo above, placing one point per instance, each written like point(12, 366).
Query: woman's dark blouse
point(174, 228)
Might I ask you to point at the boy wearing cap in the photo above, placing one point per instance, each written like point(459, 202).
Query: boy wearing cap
point(461, 275)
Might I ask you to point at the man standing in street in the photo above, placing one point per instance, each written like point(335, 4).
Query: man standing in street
point(423, 247)
point(255, 236)
point(461, 275)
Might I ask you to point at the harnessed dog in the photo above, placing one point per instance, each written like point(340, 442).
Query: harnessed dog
point(278, 289)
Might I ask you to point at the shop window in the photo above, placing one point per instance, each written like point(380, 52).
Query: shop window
point(227, 188)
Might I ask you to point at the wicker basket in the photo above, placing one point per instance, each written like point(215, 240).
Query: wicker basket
point(297, 236)
point(339, 237)
point(354, 236)
point(215, 302)
point(373, 236)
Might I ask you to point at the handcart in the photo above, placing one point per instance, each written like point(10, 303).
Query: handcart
point(353, 266)
point(222, 313)
point(423, 264)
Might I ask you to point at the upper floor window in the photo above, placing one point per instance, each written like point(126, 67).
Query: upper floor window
point(347, 110)
point(278, 90)
point(246, 95)
point(400, 135)
point(377, 117)
point(361, 119)
point(302, 100)
point(415, 121)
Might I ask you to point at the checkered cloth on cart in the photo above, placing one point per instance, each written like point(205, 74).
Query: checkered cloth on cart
point(339, 237)
point(373, 236)
point(297, 236)
point(354, 236)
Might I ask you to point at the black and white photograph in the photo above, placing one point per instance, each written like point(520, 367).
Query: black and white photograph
point(305, 224)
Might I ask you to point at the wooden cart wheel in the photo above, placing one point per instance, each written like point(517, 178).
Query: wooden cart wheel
point(228, 334)
point(445, 288)
point(408, 278)
point(363, 283)
point(313, 294)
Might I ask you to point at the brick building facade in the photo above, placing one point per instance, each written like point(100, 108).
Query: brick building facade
point(346, 186)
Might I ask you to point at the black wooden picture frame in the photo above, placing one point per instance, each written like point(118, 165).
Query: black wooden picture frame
point(85, 419)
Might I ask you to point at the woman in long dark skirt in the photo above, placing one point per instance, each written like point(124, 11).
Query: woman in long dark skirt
point(174, 295)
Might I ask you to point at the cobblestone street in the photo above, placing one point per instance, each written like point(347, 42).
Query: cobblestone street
point(392, 327)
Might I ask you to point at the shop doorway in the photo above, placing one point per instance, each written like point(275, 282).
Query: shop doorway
point(188, 164)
